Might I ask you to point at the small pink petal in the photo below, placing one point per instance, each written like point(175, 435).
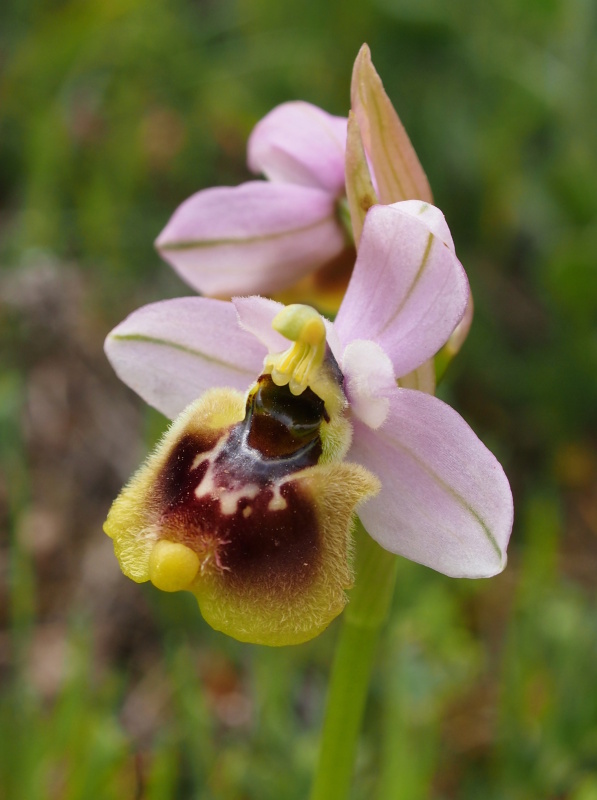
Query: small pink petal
point(300, 143)
point(408, 290)
point(445, 501)
point(257, 237)
point(368, 379)
point(171, 352)
point(255, 315)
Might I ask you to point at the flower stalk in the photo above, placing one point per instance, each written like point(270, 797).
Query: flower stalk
point(354, 657)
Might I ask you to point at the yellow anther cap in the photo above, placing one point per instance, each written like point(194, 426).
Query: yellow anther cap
point(300, 323)
point(298, 366)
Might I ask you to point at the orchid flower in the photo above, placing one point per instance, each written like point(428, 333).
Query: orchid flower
point(291, 235)
point(249, 499)
point(263, 236)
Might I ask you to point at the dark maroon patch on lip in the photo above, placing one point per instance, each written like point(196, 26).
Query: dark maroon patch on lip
point(254, 546)
point(177, 481)
point(271, 547)
point(278, 436)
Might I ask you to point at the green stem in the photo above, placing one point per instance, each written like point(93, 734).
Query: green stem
point(351, 671)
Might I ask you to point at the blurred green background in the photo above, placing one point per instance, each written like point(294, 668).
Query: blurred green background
point(111, 113)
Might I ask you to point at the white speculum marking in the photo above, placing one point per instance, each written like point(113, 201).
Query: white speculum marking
point(229, 497)
point(277, 503)
point(199, 459)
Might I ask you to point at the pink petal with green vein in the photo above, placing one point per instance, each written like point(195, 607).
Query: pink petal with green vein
point(257, 237)
point(300, 143)
point(408, 290)
point(172, 351)
point(431, 216)
point(445, 501)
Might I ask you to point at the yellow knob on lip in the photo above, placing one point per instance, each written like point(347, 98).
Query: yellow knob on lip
point(172, 566)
